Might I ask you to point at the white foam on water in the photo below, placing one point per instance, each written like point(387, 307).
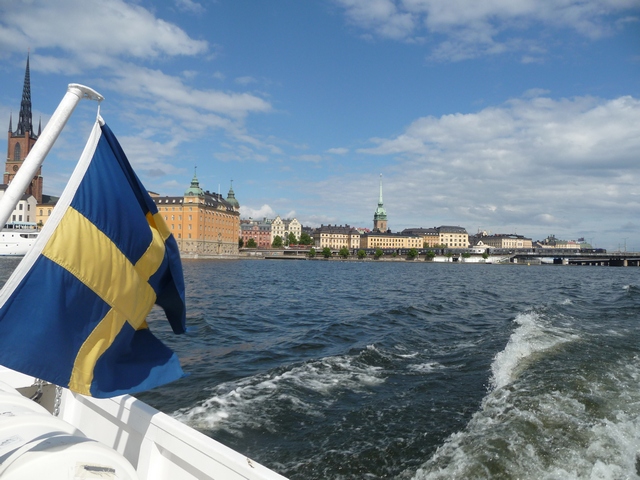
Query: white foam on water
point(250, 402)
point(532, 337)
point(426, 367)
point(587, 428)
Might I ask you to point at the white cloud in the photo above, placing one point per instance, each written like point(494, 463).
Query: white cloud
point(92, 31)
point(189, 6)
point(338, 151)
point(534, 165)
point(265, 211)
point(468, 28)
point(124, 50)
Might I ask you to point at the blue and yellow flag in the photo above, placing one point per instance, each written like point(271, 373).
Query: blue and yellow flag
point(74, 311)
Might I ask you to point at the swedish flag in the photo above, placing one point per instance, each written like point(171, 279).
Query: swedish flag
point(74, 311)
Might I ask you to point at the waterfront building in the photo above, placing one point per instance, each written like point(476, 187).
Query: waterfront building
point(503, 241)
point(552, 242)
point(45, 208)
point(388, 240)
point(336, 237)
point(202, 222)
point(380, 215)
point(453, 237)
point(430, 236)
point(450, 237)
point(258, 230)
point(21, 140)
point(25, 211)
point(282, 228)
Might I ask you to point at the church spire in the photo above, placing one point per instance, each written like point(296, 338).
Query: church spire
point(25, 126)
point(380, 216)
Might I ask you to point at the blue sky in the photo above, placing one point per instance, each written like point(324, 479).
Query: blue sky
point(510, 116)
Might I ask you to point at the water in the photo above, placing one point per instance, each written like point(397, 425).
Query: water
point(412, 370)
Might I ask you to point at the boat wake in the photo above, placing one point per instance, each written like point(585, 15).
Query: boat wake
point(546, 414)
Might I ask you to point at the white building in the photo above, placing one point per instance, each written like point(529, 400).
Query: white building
point(282, 228)
point(25, 210)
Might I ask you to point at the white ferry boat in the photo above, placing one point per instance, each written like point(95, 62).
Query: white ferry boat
point(17, 238)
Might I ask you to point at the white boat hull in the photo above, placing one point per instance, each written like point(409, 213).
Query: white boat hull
point(16, 242)
point(156, 445)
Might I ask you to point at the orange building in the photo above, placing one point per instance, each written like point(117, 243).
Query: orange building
point(203, 223)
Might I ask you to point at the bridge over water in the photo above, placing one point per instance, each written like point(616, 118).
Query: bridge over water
point(615, 259)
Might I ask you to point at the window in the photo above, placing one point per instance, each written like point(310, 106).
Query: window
point(20, 207)
point(16, 152)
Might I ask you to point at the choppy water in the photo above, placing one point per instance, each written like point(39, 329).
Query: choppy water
point(347, 370)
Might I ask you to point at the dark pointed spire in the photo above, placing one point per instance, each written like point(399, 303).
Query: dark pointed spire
point(40, 125)
point(10, 122)
point(25, 126)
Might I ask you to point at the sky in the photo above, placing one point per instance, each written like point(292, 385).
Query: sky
point(505, 116)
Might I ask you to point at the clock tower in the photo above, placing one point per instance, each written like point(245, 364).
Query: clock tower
point(21, 141)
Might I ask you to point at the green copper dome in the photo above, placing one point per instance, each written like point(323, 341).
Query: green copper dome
point(194, 190)
point(231, 197)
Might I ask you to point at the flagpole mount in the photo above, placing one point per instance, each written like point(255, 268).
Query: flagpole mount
point(84, 92)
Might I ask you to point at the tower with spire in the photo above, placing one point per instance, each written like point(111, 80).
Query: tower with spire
point(21, 140)
point(380, 216)
point(231, 198)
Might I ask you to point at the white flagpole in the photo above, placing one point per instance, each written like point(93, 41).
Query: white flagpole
point(47, 138)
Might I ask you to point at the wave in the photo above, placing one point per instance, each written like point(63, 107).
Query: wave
point(574, 415)
point(533, 337)
point(251, 402)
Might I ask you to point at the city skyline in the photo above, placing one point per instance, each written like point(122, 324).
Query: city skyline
point(513, 117)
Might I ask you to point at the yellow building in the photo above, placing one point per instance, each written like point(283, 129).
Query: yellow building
point(202, 222)
point(453, 237)
point(390, 240)
point(336, 237)
point(430, 236)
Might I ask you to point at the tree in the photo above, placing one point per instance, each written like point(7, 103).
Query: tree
point(466, 255)
point(378, 253)
point(430, 255)
point(485, 255)
point(277, 242)
point(362, 254)
point(251, 243)
point(326, 252)
point(305, 239)
point(413, 253)
point(312, 252)
point(344, 252)
point(240, 242)
point(292, 240)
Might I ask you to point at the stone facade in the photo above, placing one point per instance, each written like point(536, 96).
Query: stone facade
point(453, 237)
point(202, 222)
point(282, 228)
point(336, 237)
point(259, 230)
point(387, 240)
point(504, 241)
point(430, 236)
point(25, 211)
